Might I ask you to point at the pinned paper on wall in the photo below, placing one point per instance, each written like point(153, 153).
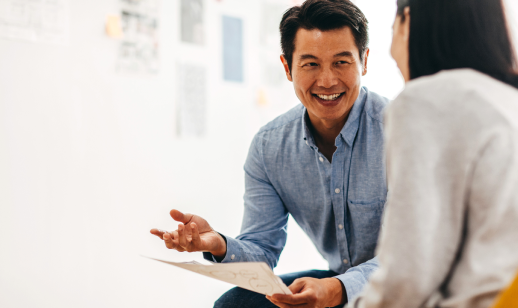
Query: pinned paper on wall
point(253, 276)
point(191, 107)
point(232, 49)
point(139, 47)
point(45, 21)
point(192, 21)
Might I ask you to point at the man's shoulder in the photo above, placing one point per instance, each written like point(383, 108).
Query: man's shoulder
point(289, 118)
point(375, 105)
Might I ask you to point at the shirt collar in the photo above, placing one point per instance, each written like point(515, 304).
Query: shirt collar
point(348, 132)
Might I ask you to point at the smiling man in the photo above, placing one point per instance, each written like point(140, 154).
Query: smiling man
point(321, 162)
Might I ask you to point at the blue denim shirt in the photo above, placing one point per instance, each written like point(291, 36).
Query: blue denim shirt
point(338, 204)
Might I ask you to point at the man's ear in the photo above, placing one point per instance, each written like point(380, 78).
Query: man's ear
point(364, 64)
point(286, 68)
point(406, 26)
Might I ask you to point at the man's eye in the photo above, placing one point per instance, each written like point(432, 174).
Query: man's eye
point(342, 62)
point(310, 64)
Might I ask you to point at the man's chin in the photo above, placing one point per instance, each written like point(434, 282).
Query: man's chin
point(329, 115)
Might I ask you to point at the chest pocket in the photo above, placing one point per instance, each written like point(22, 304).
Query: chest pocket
point(365, 219)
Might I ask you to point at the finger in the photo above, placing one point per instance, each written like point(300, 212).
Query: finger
point(168, 241)
point(271, 300)
point(297, 299)
point(181, 237)
point(158, 232)
point(174, 236)
point(176, 244)
point(196, 240)
point(181, 217)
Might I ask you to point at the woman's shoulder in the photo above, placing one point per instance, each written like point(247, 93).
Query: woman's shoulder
point(458, 85)
point(452, 84)
point(461, 93)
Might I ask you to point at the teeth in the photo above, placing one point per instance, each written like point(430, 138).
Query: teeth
point(328, 97)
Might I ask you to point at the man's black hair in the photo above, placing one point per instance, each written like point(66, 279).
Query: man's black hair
point(323, 15)
point(452, 34)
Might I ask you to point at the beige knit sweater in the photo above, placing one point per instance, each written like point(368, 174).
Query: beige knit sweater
point(450, 231)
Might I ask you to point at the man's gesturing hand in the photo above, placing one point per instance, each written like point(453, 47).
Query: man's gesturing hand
point(193, 234)
point(312, 293)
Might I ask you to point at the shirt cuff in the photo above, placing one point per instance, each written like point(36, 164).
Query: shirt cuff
point(354, 282)
point(232, 254)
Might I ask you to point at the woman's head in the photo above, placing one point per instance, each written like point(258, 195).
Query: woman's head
point(435, 35)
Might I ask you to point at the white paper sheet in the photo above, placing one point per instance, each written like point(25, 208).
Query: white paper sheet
point(253, 276)
point(192, 28)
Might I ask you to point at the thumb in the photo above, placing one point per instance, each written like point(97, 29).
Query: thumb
point(181, 217)
point(297, 286)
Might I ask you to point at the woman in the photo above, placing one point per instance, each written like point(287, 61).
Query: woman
point(450, 233)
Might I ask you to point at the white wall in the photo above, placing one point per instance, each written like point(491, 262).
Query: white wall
point(90, 161)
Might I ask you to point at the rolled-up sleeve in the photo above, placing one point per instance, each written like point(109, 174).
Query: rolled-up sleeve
point(357, 277)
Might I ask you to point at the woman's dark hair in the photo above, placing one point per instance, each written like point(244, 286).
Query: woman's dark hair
point(451, 34)
point(323, 15)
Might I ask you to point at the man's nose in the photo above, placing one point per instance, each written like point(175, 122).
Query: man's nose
point(327, 78)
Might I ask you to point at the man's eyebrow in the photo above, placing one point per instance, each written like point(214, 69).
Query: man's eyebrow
point(344, 54)
point(307, 56)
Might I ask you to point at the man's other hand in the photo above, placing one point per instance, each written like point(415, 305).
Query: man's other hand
point(193, 234)
point(312, 293)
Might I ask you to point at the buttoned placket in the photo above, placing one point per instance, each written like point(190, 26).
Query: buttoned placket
point(336, 172)
point(339, 181)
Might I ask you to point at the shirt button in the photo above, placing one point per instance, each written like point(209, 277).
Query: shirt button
point(321, 159)
point(232, 257)
point(345, 261)
point(337, 190)
point(340, 227)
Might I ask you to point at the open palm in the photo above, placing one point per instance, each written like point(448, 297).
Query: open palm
point(193, 234)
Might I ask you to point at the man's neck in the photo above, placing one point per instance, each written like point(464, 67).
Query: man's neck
point(325, 133)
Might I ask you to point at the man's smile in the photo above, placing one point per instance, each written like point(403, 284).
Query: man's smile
point(328, 99)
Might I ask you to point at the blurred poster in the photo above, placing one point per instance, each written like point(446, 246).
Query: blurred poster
point(192, 21)
point(138, 49)
point(232, 49)
point(35, 20)
point(191, 107)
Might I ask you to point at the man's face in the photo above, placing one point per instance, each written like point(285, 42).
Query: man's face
point(326, 73)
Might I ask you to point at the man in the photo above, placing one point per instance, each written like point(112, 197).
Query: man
point(321, 162)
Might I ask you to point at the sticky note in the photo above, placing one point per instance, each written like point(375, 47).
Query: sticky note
point(113, 26)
